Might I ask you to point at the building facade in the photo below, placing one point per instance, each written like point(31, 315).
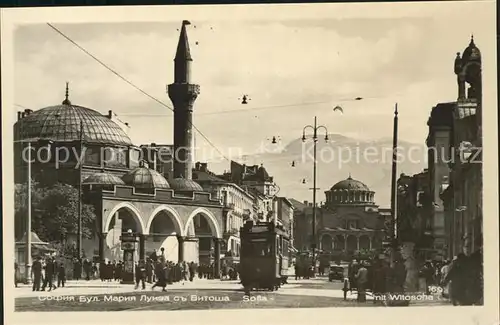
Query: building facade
point(462, 190)
point(438, 142)
point(79, 146)
point(348, 224)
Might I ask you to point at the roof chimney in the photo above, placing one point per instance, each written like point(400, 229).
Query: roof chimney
point(110, 114)
point(306, 203)
point(197, 165)
point(19, 115)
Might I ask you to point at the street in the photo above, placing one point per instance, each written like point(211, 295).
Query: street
point(95, 295)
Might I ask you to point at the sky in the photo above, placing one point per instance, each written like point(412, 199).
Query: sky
point(292, 69)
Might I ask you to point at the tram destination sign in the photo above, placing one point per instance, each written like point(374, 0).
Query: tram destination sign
point(257, 229)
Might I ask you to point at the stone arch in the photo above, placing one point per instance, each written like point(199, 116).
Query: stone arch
point(326, 241)
point(212, 221)
point(174, 216)
point(131, 208)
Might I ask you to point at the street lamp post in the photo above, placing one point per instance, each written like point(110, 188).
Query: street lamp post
point(28, 261)
point(315, 129)
point(79, 238)
point(28, 258)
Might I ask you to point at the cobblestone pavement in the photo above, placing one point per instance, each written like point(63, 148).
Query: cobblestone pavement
point(95, 295)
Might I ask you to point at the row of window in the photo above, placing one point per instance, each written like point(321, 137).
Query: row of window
point(350, 197)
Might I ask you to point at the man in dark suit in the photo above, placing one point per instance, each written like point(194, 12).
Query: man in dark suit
point(36, 272)
point(50, 270)
point(61, 274)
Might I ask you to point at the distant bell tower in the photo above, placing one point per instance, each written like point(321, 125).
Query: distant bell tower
point(183, 93)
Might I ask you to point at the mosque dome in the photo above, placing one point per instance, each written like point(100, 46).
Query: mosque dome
point(145, 178)
point(186, 185)
point(350, 184)
point(103, 178)
point(62, 123)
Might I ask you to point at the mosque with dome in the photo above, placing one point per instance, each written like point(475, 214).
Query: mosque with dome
point(348, 221)
point(128, 185)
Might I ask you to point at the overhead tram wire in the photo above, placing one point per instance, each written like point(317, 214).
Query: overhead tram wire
point(237, 110)
point(252, 108)
point(134, 86)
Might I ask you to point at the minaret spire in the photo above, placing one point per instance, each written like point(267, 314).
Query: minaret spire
point(183, 94)
point(183, 59)
point(66, 100)
point(183, 51)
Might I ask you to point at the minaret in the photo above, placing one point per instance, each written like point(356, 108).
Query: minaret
point(183, 94)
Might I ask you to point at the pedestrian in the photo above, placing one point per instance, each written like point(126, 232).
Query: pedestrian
point(456, 279)
point(361, 281)
point(192, 270)
point(87, 268)
point(50, 270)
point(36, 271)
point(140, 274)
point(61, 274)
point(149, 270)
point(161, 276)
point(444, 273)
point(379, 273)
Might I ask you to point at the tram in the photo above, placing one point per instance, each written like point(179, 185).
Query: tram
point(264, 259)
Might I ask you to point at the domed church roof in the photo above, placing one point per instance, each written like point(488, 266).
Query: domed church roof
point(471, 52)
point(187, 185)
point(350, 184)
point(103, 178)
point(145, 178)
point(62, 123)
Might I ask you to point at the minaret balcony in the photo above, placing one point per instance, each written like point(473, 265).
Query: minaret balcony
point(183, 88)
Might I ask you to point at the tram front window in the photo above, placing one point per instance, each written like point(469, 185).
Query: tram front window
point(259, 248)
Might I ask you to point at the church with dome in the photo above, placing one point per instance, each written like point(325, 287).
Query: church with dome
point(80, 146)
point(348, 222)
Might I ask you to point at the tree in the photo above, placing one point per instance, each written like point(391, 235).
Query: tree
point(54, 211)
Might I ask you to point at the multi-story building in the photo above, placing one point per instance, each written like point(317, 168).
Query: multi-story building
point(438, 142)
point(238, 206)
point(285, 215)
point(461, 191)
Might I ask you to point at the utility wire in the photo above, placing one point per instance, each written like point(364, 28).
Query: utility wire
point(131, 84)
point(250, 108)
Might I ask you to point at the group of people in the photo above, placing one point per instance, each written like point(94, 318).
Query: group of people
point(155, 269)
point(46, 273)
point(461, 278)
